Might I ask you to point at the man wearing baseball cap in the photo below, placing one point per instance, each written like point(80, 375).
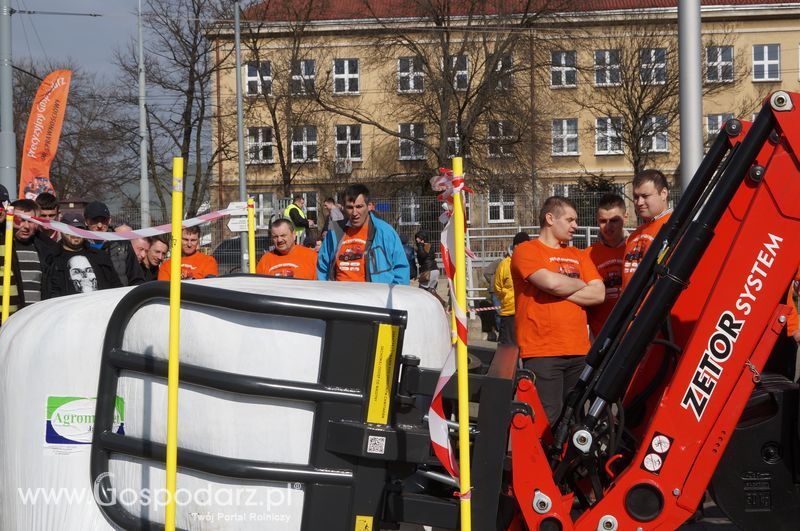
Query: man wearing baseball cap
point(77, 267)
point(123, 257)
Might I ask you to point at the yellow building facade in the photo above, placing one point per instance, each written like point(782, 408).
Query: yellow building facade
point(590, 93)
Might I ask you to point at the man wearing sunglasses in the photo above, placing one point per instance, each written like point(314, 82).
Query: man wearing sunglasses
point(362, 247)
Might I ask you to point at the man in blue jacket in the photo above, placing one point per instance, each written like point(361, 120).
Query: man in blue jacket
point(362, 247)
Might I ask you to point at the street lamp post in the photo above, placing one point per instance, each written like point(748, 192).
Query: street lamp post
point(240, 130)
point(8, 143)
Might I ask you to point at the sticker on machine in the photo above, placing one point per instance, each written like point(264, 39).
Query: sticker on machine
point(657, 453)
point(70, 423)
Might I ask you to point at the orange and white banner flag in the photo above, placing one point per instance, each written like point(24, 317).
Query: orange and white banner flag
point(42, 134)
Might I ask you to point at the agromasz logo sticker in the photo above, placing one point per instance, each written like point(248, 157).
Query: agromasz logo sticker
point(70, 420)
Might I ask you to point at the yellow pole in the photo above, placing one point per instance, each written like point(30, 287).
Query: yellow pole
point(7, 264)
point(174, 340)
point(251, 233)
point(462, 361)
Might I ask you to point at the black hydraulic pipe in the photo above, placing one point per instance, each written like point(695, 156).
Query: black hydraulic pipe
point(617, 321)
point(613, 382)
point(679, 218)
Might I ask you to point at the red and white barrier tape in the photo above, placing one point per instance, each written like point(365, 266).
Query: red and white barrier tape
point(447, 185)
point(486, 309)
point(127, 235)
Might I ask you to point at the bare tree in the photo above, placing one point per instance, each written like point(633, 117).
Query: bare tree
point(181, 66)
point(457, 84)
point(283, 83)
point(632, 85)
point(89, 162)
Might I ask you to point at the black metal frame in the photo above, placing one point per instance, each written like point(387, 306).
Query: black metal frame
point(342, 479)
point(342, 395)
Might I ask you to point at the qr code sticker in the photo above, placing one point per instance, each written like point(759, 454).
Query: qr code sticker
point(376, 445)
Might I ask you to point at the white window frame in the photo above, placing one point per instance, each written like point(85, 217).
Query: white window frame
point(766, 63)
point(348, 142)
point(504, 72)
point(415, 75)
point(410, 208)
point(453, 140)
point(501, 205)
point(303, 78)
point(417, 150)
point(263, 83)
point(650, 69)
point(559, 67)
point(460, 80)
point(607, 132)
point(255, 139)
point(650, 142)
point(346, 76)
point(719, 66)
point(565, 189)
point(714, 124)
point(311, 205)
point(305, 144)
point(561, 136)
point(505, 133)
point(607, 68)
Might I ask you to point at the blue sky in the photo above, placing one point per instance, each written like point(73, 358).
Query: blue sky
point(89, 41)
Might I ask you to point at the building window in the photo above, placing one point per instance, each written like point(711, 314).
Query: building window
point(714, 123)
point(501, 206)
point(258, 78)
point(409, 208)
point(766, 62)
point(409, 148)
point(505, 75)
point(459, 67)
point(453, 140)
point(348, 142)
point(606, 68)
point(345, 76)
point(607, 140)
point(304, 143)
point(304, 74)
point(719, 64)
point(563, 69)
point(410, 76)
point(654, 134)
point(259, 145)
point(500, 138)
point(653, 66)
point(565, 136)
point(567, 190)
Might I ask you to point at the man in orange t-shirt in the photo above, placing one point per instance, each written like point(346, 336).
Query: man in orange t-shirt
point(651, 198)
point(553, 284)
point(193, 263)
point(287, 259)
point(607, 255)
point(793, 322)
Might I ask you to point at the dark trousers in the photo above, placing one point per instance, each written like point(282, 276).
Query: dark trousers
point(508, 332)
point(555, 378)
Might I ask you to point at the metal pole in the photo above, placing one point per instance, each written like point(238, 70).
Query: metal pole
point(144, 184)
point(691, 88)
point(8, 142)
point(240, 129)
